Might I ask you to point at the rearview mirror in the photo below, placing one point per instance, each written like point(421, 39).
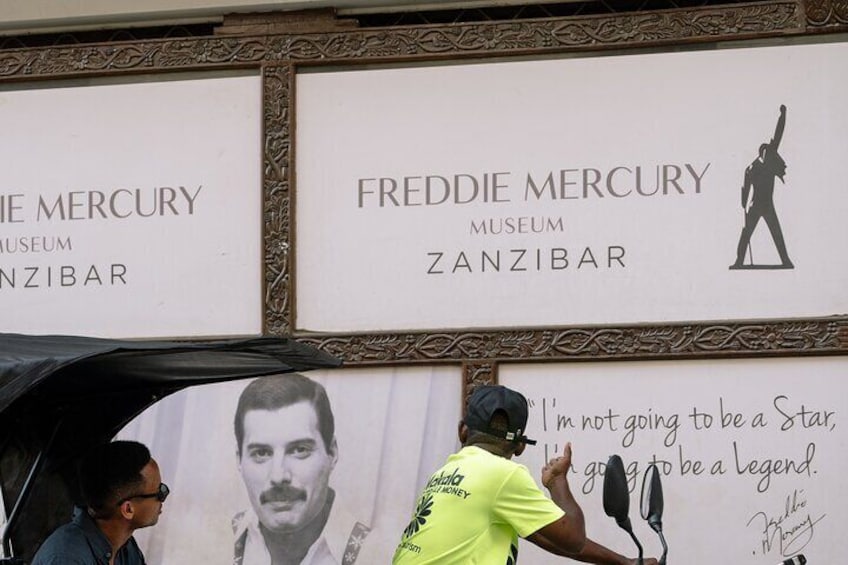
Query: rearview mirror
point(652, 498)
point(616, 494)
point(617, 498)
point(651, 506)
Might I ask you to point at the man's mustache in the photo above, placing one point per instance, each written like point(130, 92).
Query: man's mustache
point(283, 493)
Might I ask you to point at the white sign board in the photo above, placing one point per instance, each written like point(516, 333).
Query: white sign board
point(752, 453)
point(132, 210)
point(574, 191)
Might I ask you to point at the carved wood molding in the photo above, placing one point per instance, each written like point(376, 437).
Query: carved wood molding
point(476, 374)
point(672, 26)
point(593, 343)
point(412, 42)
point(826, 13)
point(277, 201)
point(479, 373)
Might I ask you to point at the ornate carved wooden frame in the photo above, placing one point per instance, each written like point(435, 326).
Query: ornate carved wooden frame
point(279, 50)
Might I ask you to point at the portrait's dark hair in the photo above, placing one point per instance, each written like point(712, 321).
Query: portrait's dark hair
point(494, 444)
point(110, 472)
point(279, 391)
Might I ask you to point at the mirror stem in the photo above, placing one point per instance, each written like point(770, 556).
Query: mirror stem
point(664, 546)
point(639, 545)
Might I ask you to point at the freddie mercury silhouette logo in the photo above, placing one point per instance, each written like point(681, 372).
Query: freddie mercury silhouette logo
point(759, 185)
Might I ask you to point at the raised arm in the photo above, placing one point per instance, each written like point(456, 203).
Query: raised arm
point(550, 538)
point(778, 130)
point(567, 535)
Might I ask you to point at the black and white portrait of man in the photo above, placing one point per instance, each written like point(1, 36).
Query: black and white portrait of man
point(318, 468)
point(286, 450)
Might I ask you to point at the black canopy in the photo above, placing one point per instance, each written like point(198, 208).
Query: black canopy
point(59, 395)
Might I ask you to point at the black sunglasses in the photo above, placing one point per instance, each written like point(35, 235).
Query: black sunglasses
point(159, 495)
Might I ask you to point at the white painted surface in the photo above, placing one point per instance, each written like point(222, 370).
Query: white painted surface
point(730, 495)
point(132, 209)
point(375, 253)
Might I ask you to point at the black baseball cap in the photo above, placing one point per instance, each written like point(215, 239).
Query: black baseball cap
point(488, 399)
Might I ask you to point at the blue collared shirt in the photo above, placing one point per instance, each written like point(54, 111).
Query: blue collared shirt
point(80, 542)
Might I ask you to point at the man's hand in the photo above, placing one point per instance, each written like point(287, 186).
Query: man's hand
point(567, 535)
point(557, 467)
point(593, 552)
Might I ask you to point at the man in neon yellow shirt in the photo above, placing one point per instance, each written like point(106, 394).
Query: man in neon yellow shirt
point(476, 506)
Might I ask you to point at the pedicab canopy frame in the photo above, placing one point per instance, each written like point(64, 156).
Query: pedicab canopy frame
point(60, 395)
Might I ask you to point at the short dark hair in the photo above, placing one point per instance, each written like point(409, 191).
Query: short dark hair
point(279, 391)
point(109, 472)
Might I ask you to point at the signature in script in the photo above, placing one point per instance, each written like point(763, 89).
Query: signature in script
point(789, 531)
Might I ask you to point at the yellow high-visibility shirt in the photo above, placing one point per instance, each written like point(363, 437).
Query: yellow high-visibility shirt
point(473, 510)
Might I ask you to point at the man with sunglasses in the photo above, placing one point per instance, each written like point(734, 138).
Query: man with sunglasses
point(123, 491)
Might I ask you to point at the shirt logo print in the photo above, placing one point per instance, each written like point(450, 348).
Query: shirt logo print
point(425, 507)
